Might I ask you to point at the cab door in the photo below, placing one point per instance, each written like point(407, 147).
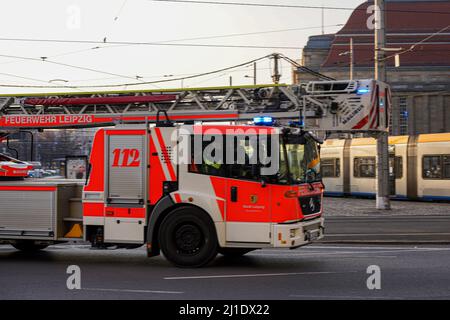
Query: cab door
point(126, 165)
point(248, 213)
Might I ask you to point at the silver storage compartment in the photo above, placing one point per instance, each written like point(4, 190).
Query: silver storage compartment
point(27, 213)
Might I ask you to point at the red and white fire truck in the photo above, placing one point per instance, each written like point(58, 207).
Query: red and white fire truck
point(138, 191)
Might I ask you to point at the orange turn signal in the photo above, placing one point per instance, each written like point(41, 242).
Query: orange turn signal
point(290, 194)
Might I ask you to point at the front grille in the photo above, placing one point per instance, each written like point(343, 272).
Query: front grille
point(310, 205)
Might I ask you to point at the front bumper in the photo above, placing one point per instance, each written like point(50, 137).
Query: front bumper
point(297, 234)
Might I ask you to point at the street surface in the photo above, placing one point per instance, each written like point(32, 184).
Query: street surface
point(410, 244)
point(313, 272)
point(357, 220)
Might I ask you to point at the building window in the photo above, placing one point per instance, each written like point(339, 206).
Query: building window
point(403, 116)
point(436, 167)
point(364, 167)
point(330, 167)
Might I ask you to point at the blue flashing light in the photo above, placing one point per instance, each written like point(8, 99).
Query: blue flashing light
point(265, 120)
point(296, 124)
point(362, 91)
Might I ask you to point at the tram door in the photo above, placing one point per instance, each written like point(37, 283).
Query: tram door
point(392, 170)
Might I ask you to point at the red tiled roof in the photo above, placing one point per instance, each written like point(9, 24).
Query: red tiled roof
point(403, 29)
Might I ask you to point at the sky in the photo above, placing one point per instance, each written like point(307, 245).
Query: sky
point(150, 21)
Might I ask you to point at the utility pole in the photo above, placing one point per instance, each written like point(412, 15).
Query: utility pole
point(383, 202)
point(352, 62)
point(254, 73)
point(276, 69)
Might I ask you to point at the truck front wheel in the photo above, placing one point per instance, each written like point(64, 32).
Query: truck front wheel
point(28, 246)
point(187, 237)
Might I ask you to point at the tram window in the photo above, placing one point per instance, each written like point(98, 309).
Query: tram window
point(446, 161)
point(364, 167)
point(436, 167)
point(432, 167)
point(330, 167)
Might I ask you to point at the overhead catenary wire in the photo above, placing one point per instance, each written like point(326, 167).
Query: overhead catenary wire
point(291, 6)
point(412, 47)
point(175, 79)
point(116, 17)
point(204, 45)
point(44, 59)
point(21, 77)
point(112, 46)
point(306, 69)
point(143, 82)
point(143, 77)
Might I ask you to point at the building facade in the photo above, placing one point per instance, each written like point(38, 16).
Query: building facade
point(420, 85)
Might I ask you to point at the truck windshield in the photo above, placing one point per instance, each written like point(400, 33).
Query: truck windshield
point(299, 160)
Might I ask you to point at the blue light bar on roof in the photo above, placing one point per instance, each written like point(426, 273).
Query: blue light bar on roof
point(265, 120)
point(362, 90)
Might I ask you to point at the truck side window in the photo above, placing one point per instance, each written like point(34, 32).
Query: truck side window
point(245, 164)
point(208, 166)
point(245, 156)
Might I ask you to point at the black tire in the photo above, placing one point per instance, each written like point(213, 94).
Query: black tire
point(187, 237)
point(234, 252)
point(28, 246)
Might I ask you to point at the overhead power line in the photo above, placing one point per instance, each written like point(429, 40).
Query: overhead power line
point(153, 43)
point(293, 6)
point(231, 35)
point(178, 78)
point(44, 59)
point(412, 47)
point(138, 83)
point(21, 77)
point(71, 52)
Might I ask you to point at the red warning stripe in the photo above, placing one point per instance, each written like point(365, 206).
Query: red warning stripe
point(165, 154)
point(177, 198)
point(361, 123)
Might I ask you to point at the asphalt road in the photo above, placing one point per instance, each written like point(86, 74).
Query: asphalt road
point(314, 272)
point(388, 229)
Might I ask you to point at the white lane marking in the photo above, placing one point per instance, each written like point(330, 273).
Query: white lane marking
point(255, 275)
point(132, 290)
point(385, 248)
point(346, 255)
point(315, 253)
point(389, 234)
point(344, 297)
point(317, 246)
point(337, 253)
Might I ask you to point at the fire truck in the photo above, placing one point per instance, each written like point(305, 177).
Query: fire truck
point(144, 186)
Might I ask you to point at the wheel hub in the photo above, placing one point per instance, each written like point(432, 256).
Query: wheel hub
point(188, 239)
